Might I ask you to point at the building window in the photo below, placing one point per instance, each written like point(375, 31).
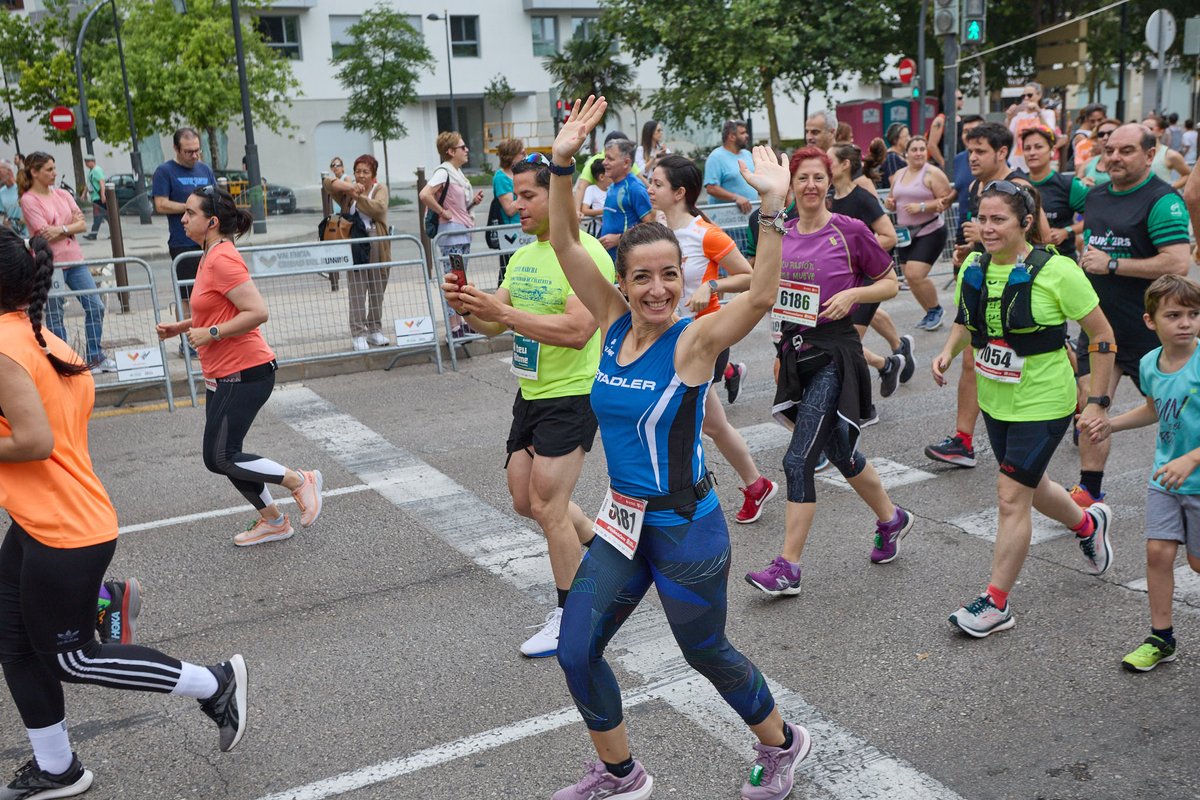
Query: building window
point(464, 36)
point(584, 27)
point(339, 32)
point(282, 34)
point(545, 35)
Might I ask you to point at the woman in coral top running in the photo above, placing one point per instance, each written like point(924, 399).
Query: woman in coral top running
point(674, 186)
point(61, 540)
point(238, 365)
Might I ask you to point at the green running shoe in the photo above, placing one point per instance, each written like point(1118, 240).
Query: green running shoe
point(1150, 654)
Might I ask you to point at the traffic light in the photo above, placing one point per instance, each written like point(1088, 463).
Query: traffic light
point(562, 111)
point(974, 21)
point(916, 89)
point(945, 17)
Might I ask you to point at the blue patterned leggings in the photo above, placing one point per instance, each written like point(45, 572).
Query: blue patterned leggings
point(689, 565)
point(819, 428)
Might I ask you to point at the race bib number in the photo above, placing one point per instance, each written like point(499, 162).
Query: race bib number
point(210, 385)
point(999, 362)
point(797, 303)
point(903, 237)
point(525, 353)
point(620, 522)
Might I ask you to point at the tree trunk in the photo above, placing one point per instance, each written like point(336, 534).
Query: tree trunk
point(387, 175)
point(807, 96)
point(214, 150)
point(772, 120)
point(77, 163)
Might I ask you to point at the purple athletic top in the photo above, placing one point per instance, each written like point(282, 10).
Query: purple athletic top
point(841, 255)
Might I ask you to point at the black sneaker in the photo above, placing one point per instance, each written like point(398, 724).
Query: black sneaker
point(889, 376)
point(32, 782)
point(227, 707)
point(115, 622)
point(733, 384)
point(952, 450)
point(910, 360)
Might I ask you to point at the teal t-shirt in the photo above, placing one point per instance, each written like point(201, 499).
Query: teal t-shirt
point(536, 283)
point(1176, 397)
point(502, 184)
point(1046, 389)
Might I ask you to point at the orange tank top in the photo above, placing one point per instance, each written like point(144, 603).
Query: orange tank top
point(58, 501)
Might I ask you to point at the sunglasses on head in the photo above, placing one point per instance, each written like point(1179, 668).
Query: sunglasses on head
point(1012, 189)
point(537, 158)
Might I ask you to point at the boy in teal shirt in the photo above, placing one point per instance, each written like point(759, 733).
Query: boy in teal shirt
point(1170, 377)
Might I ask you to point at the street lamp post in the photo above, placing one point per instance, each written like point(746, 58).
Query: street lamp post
point(254, 177)
point(135, 155)
point(445, 17)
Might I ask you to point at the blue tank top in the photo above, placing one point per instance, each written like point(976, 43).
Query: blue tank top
point(650, 422)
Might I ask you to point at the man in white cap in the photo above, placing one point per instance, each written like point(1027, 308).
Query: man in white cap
point(94, 182)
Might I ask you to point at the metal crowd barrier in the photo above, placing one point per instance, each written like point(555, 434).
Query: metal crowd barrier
point(309, 321)
point(729, 218)
point(131, 314)
point(482, 266)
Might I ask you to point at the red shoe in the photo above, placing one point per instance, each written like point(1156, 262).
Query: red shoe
point(1083, 498)
point(756, 494)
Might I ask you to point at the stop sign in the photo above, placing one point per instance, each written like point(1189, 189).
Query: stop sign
point(907, 68)
point(62, 118)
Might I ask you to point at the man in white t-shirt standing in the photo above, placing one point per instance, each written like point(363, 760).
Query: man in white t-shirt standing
point(1189, 142)
point(1029, 114)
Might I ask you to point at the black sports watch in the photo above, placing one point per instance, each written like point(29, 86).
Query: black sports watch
point(1104, 401)
point(1112, 266)
point(555, 169)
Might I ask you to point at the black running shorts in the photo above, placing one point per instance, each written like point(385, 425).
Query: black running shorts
point(554, 426)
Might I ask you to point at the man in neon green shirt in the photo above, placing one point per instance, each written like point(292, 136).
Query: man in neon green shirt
point(556, 351)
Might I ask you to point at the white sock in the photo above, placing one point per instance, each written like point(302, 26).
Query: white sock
point(195, 681)
point(51, 747)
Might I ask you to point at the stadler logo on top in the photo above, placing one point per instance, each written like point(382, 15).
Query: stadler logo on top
point(625, 383)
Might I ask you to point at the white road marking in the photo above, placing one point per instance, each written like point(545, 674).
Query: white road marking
point(984, 524)
point(229, 512)
point(1187, 585)
point(842, 765)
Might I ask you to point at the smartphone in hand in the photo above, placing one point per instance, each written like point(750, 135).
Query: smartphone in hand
point(458, 269)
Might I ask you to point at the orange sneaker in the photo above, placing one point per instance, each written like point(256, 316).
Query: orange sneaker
point(1083, 498)
point(308, 496)
point(261, 532)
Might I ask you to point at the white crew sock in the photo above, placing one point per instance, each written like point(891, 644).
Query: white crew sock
point(51, 747)
point(195, 681)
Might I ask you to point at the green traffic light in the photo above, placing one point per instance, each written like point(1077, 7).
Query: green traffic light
point(974, 31)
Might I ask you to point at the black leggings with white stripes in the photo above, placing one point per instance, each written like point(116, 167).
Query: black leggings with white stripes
point(229, 412)
point(48, 626)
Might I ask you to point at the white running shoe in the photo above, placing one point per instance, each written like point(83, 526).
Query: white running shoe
point(544, 643)
point(377, 339)
point(359, 343)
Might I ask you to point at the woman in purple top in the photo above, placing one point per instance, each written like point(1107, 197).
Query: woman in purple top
point(829, 261)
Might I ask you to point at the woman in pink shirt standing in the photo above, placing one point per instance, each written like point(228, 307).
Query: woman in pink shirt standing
point(51, 213)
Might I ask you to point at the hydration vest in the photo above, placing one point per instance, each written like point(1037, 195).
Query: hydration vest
point(1016, 307)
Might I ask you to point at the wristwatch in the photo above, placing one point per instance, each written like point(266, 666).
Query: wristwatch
point(555, 169)
point(1112, 266)
point(774, 221)
point(712, 286)
point(1104, 401)
point(215, 333)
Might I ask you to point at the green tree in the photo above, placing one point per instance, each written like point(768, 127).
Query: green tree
point(498, 94)
point(589, 66)
point(725, 58)
point(183, 70)
point(380, 71)
point(44, 73)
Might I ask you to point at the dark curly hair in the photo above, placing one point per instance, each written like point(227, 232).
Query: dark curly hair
point(26, 272)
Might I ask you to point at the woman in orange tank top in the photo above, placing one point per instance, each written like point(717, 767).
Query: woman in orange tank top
point(62, 538)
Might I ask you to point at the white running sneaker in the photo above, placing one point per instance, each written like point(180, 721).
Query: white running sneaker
point(377, 339)
point(359, 343)
point(544, 643)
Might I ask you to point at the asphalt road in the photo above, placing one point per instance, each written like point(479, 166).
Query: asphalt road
point(382, 643)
